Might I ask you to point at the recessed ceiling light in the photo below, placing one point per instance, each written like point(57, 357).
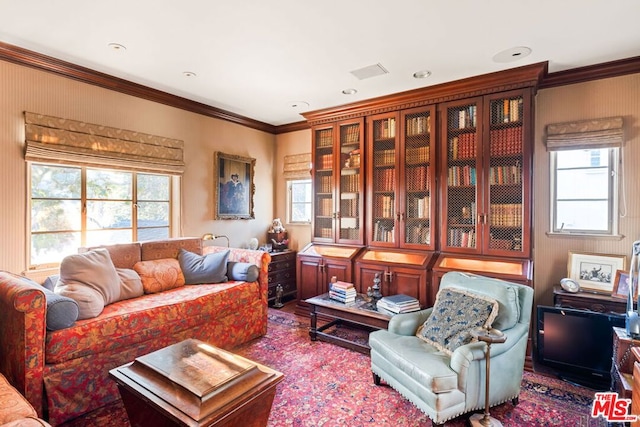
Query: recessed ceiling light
point(299, 104)
point(350, 91)
point(513, 54)
point(422, 74)
point(189, 74)
point(117, 46)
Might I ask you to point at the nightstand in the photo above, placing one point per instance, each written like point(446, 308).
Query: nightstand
point(282, 271)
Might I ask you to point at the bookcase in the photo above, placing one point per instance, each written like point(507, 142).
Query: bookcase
point(447, 183)
point(400, 203)
point(338, 182)
point(485, 175)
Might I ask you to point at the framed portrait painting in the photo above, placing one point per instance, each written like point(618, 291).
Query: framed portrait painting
point(595, 272)
point(233, 186)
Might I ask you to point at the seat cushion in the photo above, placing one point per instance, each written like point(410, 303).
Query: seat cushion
point(455, 314)
point(421, 361)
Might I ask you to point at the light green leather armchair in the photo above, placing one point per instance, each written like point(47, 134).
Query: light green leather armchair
point(445, 386)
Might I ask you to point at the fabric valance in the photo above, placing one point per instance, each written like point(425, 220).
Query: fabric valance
point(585, 134)
point(297, 166)
point(55, 140)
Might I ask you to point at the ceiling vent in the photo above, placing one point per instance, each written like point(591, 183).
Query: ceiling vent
point(370, 71)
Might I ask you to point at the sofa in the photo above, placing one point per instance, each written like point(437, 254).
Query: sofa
point(64, 373)
point(15, 410)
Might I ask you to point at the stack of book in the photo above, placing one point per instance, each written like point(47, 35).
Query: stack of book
point(342, 291)
point(399, 303)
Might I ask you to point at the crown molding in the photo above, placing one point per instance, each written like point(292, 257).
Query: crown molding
point(592, 72)
point(28, 58)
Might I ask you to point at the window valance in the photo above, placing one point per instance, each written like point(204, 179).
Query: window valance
point(297, 166)
point(585, 134)
point(55, 140)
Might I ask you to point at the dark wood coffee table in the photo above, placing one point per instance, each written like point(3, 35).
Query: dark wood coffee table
point(359, 314)
point(195, 384)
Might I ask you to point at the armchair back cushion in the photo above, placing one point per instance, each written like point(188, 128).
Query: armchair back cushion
point(507, 296)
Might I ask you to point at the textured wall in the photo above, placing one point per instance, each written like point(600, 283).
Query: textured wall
point(619, 96)
point(25, 89)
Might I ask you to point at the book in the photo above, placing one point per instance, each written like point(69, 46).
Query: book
point(398, 309)
point(399, 299)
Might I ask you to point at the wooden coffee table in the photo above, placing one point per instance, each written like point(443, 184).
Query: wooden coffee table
point(195, 384)
point(359, 314)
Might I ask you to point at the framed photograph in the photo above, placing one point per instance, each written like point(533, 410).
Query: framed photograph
point(233, 187)
point(595, 271)
point(621, 285)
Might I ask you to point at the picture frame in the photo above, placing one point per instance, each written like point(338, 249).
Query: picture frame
point(595, 272)
point(233, 187)
point(621, 285)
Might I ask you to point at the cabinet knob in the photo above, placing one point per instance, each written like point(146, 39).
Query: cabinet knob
point(388, 276)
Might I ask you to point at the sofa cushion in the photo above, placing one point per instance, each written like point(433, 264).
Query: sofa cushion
point(198, 269)
point(159, 275)
point(130, 283)
point(507, 295)
point(91, 279)
point(455, 313)
point(243, 271)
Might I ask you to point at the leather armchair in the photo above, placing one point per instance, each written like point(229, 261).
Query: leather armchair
point(445, 386)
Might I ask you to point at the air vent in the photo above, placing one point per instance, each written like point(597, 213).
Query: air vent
point(370, 71)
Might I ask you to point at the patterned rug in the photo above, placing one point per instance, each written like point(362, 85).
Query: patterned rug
point(329, 386)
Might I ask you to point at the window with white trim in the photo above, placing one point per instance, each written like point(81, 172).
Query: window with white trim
point(585, 157)
point(299, 196)
point(584, 191)
point(74, 206)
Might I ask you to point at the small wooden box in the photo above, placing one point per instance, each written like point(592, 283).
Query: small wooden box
point(195, 384)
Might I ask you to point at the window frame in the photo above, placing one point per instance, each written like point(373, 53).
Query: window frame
point(612, 200)
point(290, 203)
point(173, 198)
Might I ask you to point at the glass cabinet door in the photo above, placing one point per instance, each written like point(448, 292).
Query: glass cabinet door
point(323, 167)
point(417, 179)
point(351, 197)
point(383, 180)
point(505, 154)
point(462, 131)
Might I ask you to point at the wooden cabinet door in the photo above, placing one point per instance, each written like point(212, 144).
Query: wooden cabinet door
point(408, 281)
point(309, 277)
point(365, 273)
point(341, 269)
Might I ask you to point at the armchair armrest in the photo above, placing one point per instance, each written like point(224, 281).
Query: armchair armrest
point(408, 323)
point(22, 316)
point(463, 356)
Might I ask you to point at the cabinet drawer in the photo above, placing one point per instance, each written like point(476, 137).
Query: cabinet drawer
point(282, 276)
point(282, 265)
point(287, 287)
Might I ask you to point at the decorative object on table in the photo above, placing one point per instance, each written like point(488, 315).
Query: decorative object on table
point(621, 285)
point(399, 303)
point(633, 317)
point(278, 302)
point(489, 336)
point(277, 235)
point(570, 285)
point(373, 292)
point(233, 187)
point(595, 271)
point(342, 291)
point(253, 244)
point(210, 236)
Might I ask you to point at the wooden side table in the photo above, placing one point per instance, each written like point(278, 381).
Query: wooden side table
point(591, 301)
point(282, 272)
point(195, 384)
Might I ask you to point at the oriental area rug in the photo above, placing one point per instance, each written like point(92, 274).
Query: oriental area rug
point(329, 386)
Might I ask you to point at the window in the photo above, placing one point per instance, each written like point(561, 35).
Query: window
point(80, 206)
point(584, 191)
point(299, 201)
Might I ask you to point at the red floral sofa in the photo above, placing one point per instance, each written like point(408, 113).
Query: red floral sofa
point(64, 373)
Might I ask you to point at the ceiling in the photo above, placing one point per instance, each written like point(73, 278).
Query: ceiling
point(272, 60)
